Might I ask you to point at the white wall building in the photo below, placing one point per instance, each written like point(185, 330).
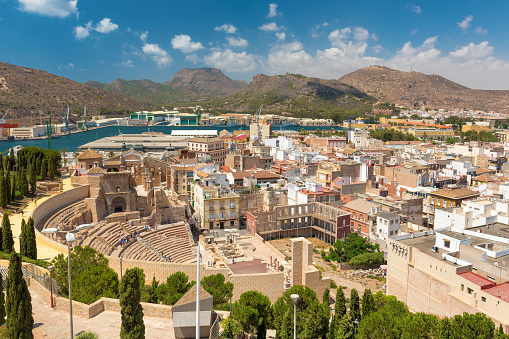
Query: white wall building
point(387, 225)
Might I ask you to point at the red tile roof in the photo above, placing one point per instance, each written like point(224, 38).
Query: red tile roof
point(477, 279)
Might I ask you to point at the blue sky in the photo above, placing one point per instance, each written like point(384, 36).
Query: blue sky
point(465, 41)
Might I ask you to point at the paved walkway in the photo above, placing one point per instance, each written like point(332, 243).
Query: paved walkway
point(50, 323)
point(43, 252)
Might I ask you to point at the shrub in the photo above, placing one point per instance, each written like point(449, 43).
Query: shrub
point(333, 284)
point(88, 335)
point(368, 259)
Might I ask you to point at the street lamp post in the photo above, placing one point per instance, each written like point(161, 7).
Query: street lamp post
point(198, 292)
point(295, 299)
point(356, 322)
point(50, 269)
point(70, 238)
point(120, 268)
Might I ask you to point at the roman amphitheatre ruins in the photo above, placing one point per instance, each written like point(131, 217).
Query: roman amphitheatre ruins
point(138, 222)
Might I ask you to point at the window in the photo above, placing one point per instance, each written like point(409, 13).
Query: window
point(438, 202)
point(447, 243)
point(211, 216)
point(354, 214)
point(483, 299)
point(469, 290)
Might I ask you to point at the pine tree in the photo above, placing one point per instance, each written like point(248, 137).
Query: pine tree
point(31, 242)
point(44, 169)
point(2, 300)
point(23, 241)
point(340, 306)
point(326, 297)
point(345, 328)
point(131, 310)
point(18, 305)
point(368, 303)
point(332, 327)
point(7, 241)
point(355, 310)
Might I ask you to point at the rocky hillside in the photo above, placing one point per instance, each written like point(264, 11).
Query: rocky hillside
point(302, 96)
point(414, 89)
point(186, 84)
point(27, 93)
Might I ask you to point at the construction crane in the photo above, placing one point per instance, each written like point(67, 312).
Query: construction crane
point(49, 129)
point(66, 120)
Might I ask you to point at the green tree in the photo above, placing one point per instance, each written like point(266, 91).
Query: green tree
point(152, 293)
point(326, 297)
point(220, 291)
point(2, 300)
point(252, 312)
point(340, 306)
point(31, 240)
point(131, 310)
point(309, 312)
point(345, 328)
point(286, 328)
point(355, 310)
point(18, 305)
point(14, 186)
point(350, 247)
point(230, 329)
point(385, 323)
point(8, 186)
point(368, 259)
point(23, 240)
point(33, 180)
point(23, 182)
point(175, 287)
point(368, 303)
point(476, 325)
point(7, 241)
point(82, 258)
point(420, 324)
point(3, 192)
point(44, 169)
point(94, 283)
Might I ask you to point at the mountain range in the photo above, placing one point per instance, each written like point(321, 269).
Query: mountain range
point(27, 93)
point(186, 85)
point(414, 89)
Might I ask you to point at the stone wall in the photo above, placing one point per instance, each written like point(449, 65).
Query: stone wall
point(269, 284)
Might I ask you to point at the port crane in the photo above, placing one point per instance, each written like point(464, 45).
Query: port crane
point(85, 118)
point(49, 130)
point(66, 120)
point(259, 125)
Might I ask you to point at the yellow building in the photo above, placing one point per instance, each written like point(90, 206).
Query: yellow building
point(216, 208)
point(431, 132)
point(477, 128)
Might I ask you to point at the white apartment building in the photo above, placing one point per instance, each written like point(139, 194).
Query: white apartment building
point(29, 131)
point(387, 225)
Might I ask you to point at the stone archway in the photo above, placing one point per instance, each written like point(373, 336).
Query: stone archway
point(118, 205)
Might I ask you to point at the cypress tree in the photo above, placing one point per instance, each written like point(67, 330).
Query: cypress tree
point(23, 241)
point(152, 295)
point(33, 180)
point(7, 241)
point(12, 160)
point(132, 313)
point(326, 297)
point(31, 243)
point(1, 162)
point(340, 306)
point(14, 184)
point(3, 197)
point(23, 182)
point(2, 300)
point(355, 310)
point(8, 186)
point(18, 303)
point(368, 303)
point(51, 170)
point(44, 169)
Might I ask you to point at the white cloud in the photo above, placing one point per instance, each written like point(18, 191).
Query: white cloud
point(67, 67)
point(466, 23)
point(416, 9)
point(230, 29)
point(414, 31)
point(377, 49)
point(281, 36)
point(143, 36)
point(185, 44)
point(230, 61)
point(237, 42)
point(481, 30)
point(360, 34)
point(156, 53)
point(337, 36)
point(193, 58)
point(473, 51)
point(273, 11)
point(128, 63)
point(51, 8)
point(105, 26)
point(82, 32)
point(271, 27)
